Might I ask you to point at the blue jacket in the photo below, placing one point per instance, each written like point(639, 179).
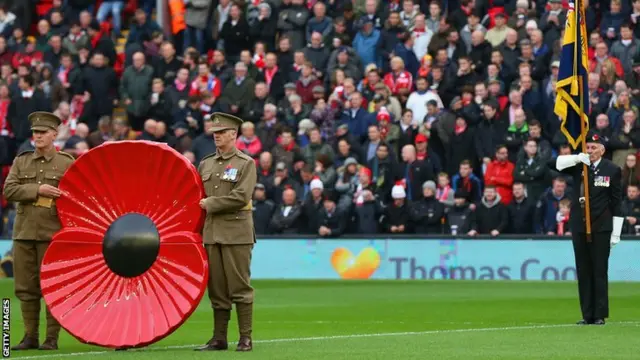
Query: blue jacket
point(358, 124)
point(411, 63)
point(367, 47)
point(546, 210)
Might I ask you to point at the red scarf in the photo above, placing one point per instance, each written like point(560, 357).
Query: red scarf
point(5, 126)
point(443, 194)
point(96, 38)
point(421, 155)
point(460, 129)
point(63, 74)
point(269, 74)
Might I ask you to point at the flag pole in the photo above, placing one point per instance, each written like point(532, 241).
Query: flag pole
point(583, 125)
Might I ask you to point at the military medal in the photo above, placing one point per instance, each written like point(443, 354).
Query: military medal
point(601, 181)
point(230, 173)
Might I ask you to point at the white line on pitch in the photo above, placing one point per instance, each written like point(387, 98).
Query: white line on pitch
point(331, 337)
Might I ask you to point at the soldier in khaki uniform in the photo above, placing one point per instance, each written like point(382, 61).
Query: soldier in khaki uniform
point(229, 177)
point(33, 184)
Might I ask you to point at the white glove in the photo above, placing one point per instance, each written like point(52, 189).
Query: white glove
point(617, 230)
point(566, 161)
point(583, 158)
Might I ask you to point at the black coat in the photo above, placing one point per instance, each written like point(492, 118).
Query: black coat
point(19, 110)
point(236, 38)
point(427, 215)
point(461, 217)
point(102, 85)
point(289, 224)
point(605, 198)
point(262, 214)
point(520, 217)
point(396, 216)
point(491, 218)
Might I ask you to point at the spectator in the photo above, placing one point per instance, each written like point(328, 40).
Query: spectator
point(100, 85)
point(630, 173)
point(313, 205)
point(521, 211)
point(531, 170)
point(292, 23)
point(135, 90)
point(113, 8)
point(287, 218)
point(491, 215)
point(28, 100)
point(238, 94)
point(500, 175)
point(332, 221)
point(248, 142)
point(427, 213)
point(631, 210)
point(196, 14)
point(397, 216)
point(460, 218)
point(262, 210)
point(416, 172)
point(467, 181)
point(547, 207)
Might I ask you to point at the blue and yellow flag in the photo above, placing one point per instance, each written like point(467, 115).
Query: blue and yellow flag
point(572, 100)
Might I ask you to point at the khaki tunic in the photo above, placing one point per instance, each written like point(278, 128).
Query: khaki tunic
point(28, 172)
point(229, 198)
point(229, 235)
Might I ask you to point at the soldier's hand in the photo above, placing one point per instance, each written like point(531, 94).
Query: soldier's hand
point(202, 204)
point(49, 191)
point(584, 158)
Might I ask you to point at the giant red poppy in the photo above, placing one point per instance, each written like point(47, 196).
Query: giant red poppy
point(128, 266)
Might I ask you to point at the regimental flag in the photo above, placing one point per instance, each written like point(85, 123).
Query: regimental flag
point(572, 86)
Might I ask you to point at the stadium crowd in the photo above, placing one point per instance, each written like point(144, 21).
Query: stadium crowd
point(363, 116)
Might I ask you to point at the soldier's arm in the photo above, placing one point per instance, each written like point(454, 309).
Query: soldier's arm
point(16, 192)
point(239, 197)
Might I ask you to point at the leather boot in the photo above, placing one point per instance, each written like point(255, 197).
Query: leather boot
point(244, 344)
point(53, 332)
point(220, 325)
point(245, 321)
point(31, 318)
point(27, 343)
point(49, 344)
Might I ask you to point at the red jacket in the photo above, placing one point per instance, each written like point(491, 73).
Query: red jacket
point(395, 83)
point(500, 175)
point(252, 148)
point(306, 92)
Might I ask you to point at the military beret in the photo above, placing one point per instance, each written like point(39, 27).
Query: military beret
point(222, 121)
point(594, 137)
point(43, 121)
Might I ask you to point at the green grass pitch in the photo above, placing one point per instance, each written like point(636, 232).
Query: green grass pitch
point(332, 320)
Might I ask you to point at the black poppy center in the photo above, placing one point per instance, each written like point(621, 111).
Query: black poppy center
point(131, 245)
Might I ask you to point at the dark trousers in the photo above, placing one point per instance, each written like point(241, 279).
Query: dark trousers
point(592, 266)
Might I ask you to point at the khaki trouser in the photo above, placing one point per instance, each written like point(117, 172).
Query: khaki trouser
point(27, 258)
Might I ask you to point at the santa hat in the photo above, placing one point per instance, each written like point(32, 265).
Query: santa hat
point(316, 184)
point(365, 171)
point(397, 192)
point(383, 114)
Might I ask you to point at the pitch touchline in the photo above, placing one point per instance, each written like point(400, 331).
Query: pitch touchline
point(332, 337)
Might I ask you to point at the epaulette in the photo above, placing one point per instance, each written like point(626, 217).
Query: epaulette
point(243, 155)
point(208, 156)
point(25, 152)
point(67, 155)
